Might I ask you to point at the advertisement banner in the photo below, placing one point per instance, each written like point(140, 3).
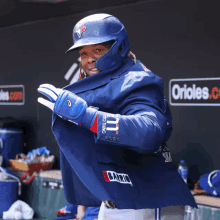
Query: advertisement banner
point(195, 91)
point(12, 95)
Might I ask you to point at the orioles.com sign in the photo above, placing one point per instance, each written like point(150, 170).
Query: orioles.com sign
point(12, 95)
point(195, 91)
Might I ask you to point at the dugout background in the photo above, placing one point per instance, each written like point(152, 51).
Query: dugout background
point(174, 39)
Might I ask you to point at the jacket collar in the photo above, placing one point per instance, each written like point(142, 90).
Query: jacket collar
point(98, 79)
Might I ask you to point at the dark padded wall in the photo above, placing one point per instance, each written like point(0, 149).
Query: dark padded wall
point(175, 39)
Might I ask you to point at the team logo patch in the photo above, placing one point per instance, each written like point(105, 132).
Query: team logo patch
point(80, 31)
point(167, 156)
point(145, 68)
point(112, 176)
point(166, 153)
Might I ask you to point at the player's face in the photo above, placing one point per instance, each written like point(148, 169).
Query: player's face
point(89, 54)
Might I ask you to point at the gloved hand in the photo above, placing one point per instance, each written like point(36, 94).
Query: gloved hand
point(51, 92)
point(67, 105)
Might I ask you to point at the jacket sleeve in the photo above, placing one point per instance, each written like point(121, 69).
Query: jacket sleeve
point(141, 124)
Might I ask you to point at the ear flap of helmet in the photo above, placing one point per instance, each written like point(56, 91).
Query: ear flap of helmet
point(125, 47)
point(113, 59)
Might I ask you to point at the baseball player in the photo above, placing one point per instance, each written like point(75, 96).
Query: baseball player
point(112, 127)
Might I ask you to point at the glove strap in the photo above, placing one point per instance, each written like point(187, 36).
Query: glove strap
point(89, 117)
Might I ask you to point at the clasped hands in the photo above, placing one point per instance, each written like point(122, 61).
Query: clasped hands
point(67, 105)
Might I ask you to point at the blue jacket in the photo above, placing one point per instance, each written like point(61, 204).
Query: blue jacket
point(125, 162)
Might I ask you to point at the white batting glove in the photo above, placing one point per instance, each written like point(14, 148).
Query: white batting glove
point(51, 92)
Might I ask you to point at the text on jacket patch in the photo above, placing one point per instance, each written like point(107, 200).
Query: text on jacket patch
point(112, 124)
point(112, 176)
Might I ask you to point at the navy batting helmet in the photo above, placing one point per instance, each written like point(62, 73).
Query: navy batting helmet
point(100, 28)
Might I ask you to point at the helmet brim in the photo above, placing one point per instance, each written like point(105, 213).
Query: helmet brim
point(89, 41)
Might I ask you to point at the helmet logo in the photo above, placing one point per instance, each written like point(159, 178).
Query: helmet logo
point(80, 31)
point(96, 33)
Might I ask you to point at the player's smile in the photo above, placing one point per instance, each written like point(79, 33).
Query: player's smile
point(89, 54)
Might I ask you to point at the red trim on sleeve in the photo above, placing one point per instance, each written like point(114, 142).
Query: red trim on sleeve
point(94, 127)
